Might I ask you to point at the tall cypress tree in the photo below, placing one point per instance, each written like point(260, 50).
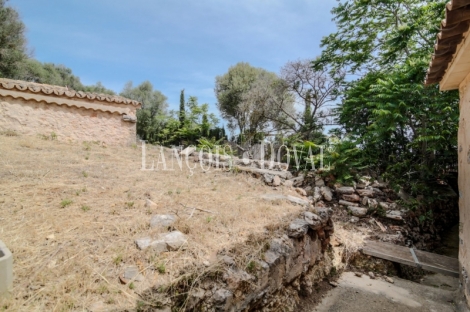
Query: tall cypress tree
point(182, 109)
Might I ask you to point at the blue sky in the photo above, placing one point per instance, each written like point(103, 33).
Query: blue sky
point(174, 44)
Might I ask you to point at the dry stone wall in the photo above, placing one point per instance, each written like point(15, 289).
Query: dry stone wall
point(287, 268)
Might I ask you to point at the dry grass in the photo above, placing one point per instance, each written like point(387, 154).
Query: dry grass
point(352, 240)
point(70, 215)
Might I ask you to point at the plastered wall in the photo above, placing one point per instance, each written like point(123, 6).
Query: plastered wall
point(68, 123)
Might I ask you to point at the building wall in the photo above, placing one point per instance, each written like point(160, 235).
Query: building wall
point(68, 123)
point(464, 186)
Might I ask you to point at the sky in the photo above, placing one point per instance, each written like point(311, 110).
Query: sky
point(175, 44)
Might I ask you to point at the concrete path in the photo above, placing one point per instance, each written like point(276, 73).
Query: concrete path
point(362, 294)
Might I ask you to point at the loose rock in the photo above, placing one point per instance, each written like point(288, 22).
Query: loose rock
point(175, 240)
point(288, 183)
point(352, 198)
point(346, 203)
point(326, 193)
point(143, 243)
point(345, 190)
point(276, 181)
point(162, 220)
point(301, 191)
point(371, 275)
point(368, 193)
point(358, 212)
point(132, 273)
point(297, 228)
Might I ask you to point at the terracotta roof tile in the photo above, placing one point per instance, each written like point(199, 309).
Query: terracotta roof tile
point(453, 27)
point(62, 92)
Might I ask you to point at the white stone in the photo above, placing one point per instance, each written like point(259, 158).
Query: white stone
point(162, 220)
point(143, 243)
point(326, 192)
point(357, 212)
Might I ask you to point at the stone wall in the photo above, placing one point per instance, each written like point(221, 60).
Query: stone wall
point(68, 123)
point(464, 186)
point(285, 268)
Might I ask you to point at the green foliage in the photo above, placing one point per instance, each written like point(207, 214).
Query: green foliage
point(12, 42)
point(66, 202)
point(59, 75)
point(252, 99)
point(182, 112)
point(405, 131)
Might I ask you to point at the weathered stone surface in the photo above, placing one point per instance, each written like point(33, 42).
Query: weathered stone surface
point(175, 240)
point(316, 194)
point(347, 203)
point(395, 215)
point(281, 174)
point(298, 180)
point(292, 199)
point(143, 243)
point(301, 191)
point(162, 220)
point(268, 178)
point(365, 192)
point(354, 219)
point(378, 192)
point(313, 220)
point(358, 212)
point(372, 203)
point(365, 201)
point(298, 201)
point(351, 198)
point(324, 214)
point(188, 151)
point(276, 181)
point(132, 273)
point(345, 190)
point(326, 193)
point(297, 228)
point(319, 182)
point(288, 183)
point(159, 246)
point(379, 185)
point(384, 205)
point(222, 295)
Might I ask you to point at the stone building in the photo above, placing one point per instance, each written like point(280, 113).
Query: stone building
point(450, 67)
point(38, 109)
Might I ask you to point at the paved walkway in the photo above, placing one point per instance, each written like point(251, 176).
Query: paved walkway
point(362, 294)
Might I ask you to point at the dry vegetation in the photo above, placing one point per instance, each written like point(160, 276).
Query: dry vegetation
point(70, 214)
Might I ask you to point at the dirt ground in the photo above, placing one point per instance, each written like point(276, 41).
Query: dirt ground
point(70, 214)
point(435, 293)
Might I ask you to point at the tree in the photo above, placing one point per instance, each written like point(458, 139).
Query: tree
point(59, 75)
point(151, 117)
point(407, 131)
point(314, 90)
point(229, 89)
point(12, 42)
point(182, 108)
point(249, 98)
point(152, 100)
point(377, 34)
